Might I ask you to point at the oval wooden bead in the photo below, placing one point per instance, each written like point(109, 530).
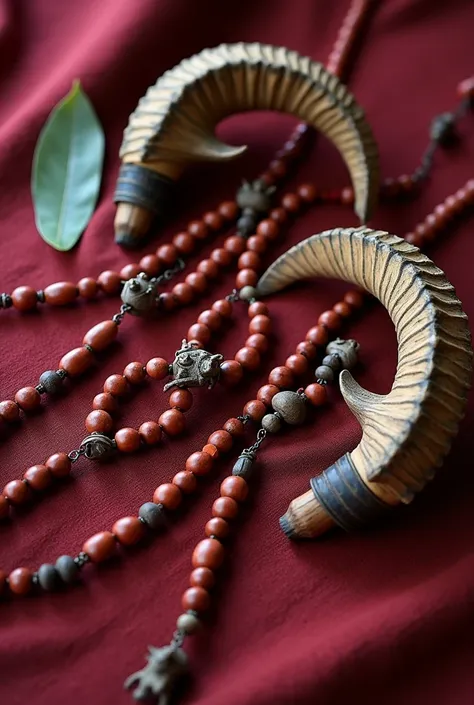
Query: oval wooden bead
point(4, 507)
point(87, 288)
point(100, 546)
point(217, 527)
point(99, 421)
point(234, 487)
point(105, 402)
point(60, 293)
point(208, 553)
point(38, 477)
point(225, 507)
point(202, 577)
point(101, 335)
point(116, 385)
point(24, 298)
point(20, 581)
point(197, 599)
point(9, 411)
point(168, 495)
point(76, 361)
point(128, 530)
point(59, 465)
point(199, 463)
point(222, 440)
point(17, 492)
point(28, 398)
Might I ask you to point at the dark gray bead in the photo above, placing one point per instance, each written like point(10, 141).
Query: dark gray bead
point(246, 224)
point(152, 514)
point(443, 128)
point(333, 361)
point(325, 373)
point(243, 466)
point(291, 407)
point(51, 382)
point(67, 569)
point(271, 423)
point(48, 577)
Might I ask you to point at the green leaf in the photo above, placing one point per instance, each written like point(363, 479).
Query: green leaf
point(67, 168)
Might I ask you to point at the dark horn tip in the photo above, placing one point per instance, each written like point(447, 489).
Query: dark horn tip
point(287, 528)
point(128, 241)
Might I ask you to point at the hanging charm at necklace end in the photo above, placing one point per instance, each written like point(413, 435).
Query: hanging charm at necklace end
point(166, 665)
point(193, 367)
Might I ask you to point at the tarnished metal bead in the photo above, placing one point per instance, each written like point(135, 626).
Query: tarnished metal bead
point(247, 293)
point(188, 623)
point(140, 293)
point(442, 128)
point(346, 349)
point(98, 446)
point(67, 569)
point(247, 223)
point(243, 466)
point(333, 361)
point(51, 382)
point(324, 373)
point(271, 423)
point(153, 515)
point(255, 196)
point(290, 406)
point(48, 577)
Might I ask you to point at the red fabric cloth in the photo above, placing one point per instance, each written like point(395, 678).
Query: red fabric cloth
point(380, 617)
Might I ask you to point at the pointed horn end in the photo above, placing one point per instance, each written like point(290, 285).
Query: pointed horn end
point(226, 152)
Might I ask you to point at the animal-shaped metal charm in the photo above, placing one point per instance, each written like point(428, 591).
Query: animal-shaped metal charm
point(406, 433)
point(173, 124)
point(158, 679)
point(140, 293)
point(193, 367)
point(346, 350)
point(253, 200)
point(98, 446)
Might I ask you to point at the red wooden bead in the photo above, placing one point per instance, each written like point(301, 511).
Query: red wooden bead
point(28, 398)
point(24, 298)
point(200, 332)
point(150, 264)
point(197, 281)
point(38, 477)
point(223, 307)
point(235, 244)
point(316, 393)
point(196, 598)
point(278, 168)
point(110, 282)
point(256, 409)
point(347, 196)
point(257, 243)
point(268, 228)
point(414, 239)
point(211, 319)
point(167, 302)
point(213, 220)
point(249, 260)
point(183, 293)
point(76, 361)
point(16, 492)
point(268, 178)
point(222, 440)
point(186, 481)
point(225, 507)
point(217, 527)
point(281, 377)
point(317, 335)
point(307, 192)
point(235, 427)
point(101, 335)
point(99, 421)
point(442, 213)
point(172, 422)
point(150, 432)
point(100, 546)
point(116, 385)
point(59, 465)
point(3, 581)
point(181, 399)
point(60, 293)
point(279, 215)
point(208, 553)
point(184, 243)
point(231, 372)
point(202, 577)
point(266, 393)
point(249, 358)
point(157, 368)
point(258, 308)
point(210, 450)
point(199, 463)
point(198, 229)
point(260, 324)
point(330, 319)
point(129, 271)
point(9, 411)
point(257, 341)
point(307, 349)
point(235, 487)
point(221, 257)
point(229, 210)
point(298, 364)
point(20, 581)
point(168, 495)
point(4, 507)
point(466, 88)
point(342, 309)
point(128, 530)
point(134, 372)
point(127, 440)
point(291, 202)
point(354, 298)
point(168, 254)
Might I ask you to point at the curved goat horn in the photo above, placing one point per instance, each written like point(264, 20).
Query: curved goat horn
point(174, 124)
point(406, 433)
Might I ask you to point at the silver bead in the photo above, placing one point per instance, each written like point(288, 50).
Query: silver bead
point(324, 372)
point(271, 423)
point(247, 293)
point(188, 623)
point(290, 406)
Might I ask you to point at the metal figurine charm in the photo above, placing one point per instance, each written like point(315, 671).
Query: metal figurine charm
point(254, 200)
point(193, 367)
point(157, 680)
point(140, 293)
point(98, 446)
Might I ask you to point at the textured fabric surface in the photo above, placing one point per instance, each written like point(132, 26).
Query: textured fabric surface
point(380, 617)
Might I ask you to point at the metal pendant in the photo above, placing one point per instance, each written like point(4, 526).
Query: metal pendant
point(193, 367)
point(140, 293)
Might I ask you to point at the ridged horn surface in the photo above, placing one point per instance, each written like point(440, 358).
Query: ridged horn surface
point(174, 122)
point(407, 432)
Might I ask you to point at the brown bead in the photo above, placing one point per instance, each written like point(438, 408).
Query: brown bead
point(317, 335)
point(414, 239)
point(229, 210)
point(198, 229)
point(202, 577)
point(266, 393)
point(221, 257)
point(60, 293)
point(466, 88)
point(20, 581)
point(116, 385)
point(100, 546)
point(59, 465)
point(197, 281)
point(129, 271)
point(199, 463)
point(38, 477)
point(167, 302)
point(257, 341)
point(342, 309)
point(225, 507)
point(256, 409)
point(76, 361)
point(347, 196)
point(330, 319)
point(184, 243)
point(257, 243)
point(28, 398)
point(354, 298)
point(249, 260)
point(249, 358)
point(279, 215)
point(268, 228)
point(172, 422)
point(200, 332)
point(307, 349)
point(316, 393)
point(9, 411)
point(278, 168)
point(211, 319)
point(150, 264)
point(234, 487)
point(134, 372)
point(186, 481)
point(281, 377)
point(307, 193)
point(217, 527)
point(24, 298)
point(222, 440)
point(16, 492)
point(258, 308)
point(127, 440)
point(168, 495)
point(298, 364)
point(168, 254)
point(235, 244)
point(129, 530)
point(181, 399)
point(150, 432)
point(231, 372)
point(110, 282)
point(87, 288)
point(223, 307)
point(183, 293)
point(291, 202)
point(260, 324)
point(213, 220)
point(196, 599)
point(208, 553)
point(101, 335)
point(105, 402)
point(235, 427)
point(4, 507)
point(157, 368)
point(99, 421)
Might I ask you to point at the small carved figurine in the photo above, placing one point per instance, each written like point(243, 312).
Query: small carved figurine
point(140, 293)
point(346, 350)
point(254, 199)
point(194, 368)
point(98, 446)
point(165, 666)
